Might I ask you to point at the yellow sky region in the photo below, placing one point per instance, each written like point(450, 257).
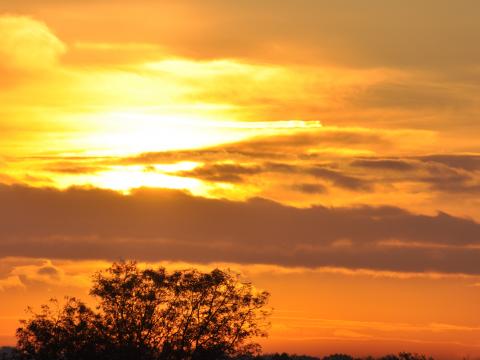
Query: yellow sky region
point(144, 106)
point(57, 104)
point(54, 110)
point(343, 310)
point(50, 107)
point(98, 113)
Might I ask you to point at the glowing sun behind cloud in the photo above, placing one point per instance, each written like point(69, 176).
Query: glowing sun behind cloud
point(128, 133)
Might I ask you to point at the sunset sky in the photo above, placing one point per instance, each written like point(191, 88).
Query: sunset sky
point(329, 151)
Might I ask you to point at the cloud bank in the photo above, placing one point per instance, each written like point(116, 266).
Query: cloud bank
point(156, 225)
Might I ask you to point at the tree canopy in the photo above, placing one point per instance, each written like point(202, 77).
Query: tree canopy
point(150, 314)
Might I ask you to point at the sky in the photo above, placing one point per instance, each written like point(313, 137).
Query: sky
point(326, 150)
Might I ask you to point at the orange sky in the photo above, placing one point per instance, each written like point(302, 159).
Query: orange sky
point(326, 150)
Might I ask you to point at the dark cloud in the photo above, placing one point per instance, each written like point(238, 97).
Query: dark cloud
point(48, 271)
point(268, 148)
point(222, 172)
point(359, 175)
point(466, 162)
point(443, 173)
point(235, 174)
point(168, 225)
point(281, 167)
point(339, 179)
point(308, 188)
point(452, 182)
point(74, 168)
point(244, 161)
point(383, 164)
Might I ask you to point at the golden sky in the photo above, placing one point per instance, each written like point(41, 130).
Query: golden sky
point(327, 150)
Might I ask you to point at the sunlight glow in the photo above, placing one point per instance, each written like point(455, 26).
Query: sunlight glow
point(130, 133)
point(126, 133)
point(125, 179)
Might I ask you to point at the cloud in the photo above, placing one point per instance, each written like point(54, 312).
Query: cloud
point(232, 173)
point(345, 164)
point(333, 158)
point(48, 270)
point(309, 188)
point(73, 168)
point(26, 46)
point(314, 144)
point(28, 50)
point(451, 180)
point(158, 225)
point(373, 33)
point(25, 273)
point(7, 179)
point(339, 179)
point(330, 155)
point(300, 146)
point(11, 282)
point(459, 161)
point(455, 174)
point(383, 164)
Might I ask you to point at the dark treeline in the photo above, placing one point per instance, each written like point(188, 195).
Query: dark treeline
point(401, 356)
point(9, 353)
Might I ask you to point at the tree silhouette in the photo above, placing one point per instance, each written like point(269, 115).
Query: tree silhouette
point(150, 314)
point(338, 357)
point(406, 356)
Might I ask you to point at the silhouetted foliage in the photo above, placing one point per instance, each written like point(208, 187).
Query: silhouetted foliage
point(406, 356)
point(338, 357)
point(150, 314)
point(285, 356)
point(7, 353)
point(401, 356)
